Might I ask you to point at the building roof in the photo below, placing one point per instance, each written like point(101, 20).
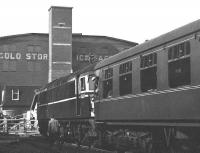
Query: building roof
point(74, 35)
point(151, 44)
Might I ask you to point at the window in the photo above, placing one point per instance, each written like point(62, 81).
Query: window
point(15, 94)
point(108, 83)
point(107, 88)
point(148, 60)
point(91, 83)
point(108, 73)
point(83, 84)
point(125, 79)
point(179, 65)
point(148, 72)
point(179, 51)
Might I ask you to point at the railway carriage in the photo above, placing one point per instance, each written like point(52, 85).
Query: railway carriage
point(152, 92)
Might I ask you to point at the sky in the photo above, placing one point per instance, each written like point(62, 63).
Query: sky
point(132, 20)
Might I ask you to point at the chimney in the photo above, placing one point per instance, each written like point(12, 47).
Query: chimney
point(60, 42)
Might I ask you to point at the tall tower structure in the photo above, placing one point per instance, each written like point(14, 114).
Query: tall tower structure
point(60, 42)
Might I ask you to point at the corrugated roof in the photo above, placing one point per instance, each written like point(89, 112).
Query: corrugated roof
point(166, 38)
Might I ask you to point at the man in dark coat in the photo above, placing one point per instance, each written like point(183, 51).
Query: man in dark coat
point(53, 129)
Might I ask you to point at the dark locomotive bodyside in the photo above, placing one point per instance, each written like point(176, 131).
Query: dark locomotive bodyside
point(68, 99)
point(153, 90)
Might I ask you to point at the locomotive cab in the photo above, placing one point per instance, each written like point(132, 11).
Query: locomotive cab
point(86, 88)
point(86, 84)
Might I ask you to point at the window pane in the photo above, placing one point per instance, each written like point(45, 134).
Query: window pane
point(179, 50)
point(107, 88)
point(148, 60)
point(148, 79)
point(108, 73)
point(91, 83)
point(82, 84)
point(187, 46)
point(170, 53)
point(125, 84)
point(179, 73)
point(126, 67)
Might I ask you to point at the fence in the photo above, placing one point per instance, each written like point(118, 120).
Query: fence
point(18, 126)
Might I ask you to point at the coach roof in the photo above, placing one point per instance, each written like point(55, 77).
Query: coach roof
point(163, 39)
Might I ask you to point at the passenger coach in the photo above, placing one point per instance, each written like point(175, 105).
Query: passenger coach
point(154, 88)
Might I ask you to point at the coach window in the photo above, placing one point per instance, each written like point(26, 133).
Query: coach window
point(125, 78)
point(108, 83)
point(15, 94)
point(179, 65)
point(148, 72)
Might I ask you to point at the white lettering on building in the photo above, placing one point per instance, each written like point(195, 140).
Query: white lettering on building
point(86, 58)
point(19, 56)
point(36, 56)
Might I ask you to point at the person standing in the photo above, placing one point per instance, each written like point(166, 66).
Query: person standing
point(53, 130)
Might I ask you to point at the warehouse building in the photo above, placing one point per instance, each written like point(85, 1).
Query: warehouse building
point(29, 61)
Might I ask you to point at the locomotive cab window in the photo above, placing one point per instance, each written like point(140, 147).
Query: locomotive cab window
point(148, 72)
point(179, 65)
point(108, 83)
point(125, 79)
point(91, 81)
point(83, 86)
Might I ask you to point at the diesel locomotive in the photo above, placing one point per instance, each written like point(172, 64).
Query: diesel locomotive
point(145, 99)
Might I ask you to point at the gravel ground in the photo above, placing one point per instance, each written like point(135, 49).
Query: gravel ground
point(31, 144)
point(37, 144)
